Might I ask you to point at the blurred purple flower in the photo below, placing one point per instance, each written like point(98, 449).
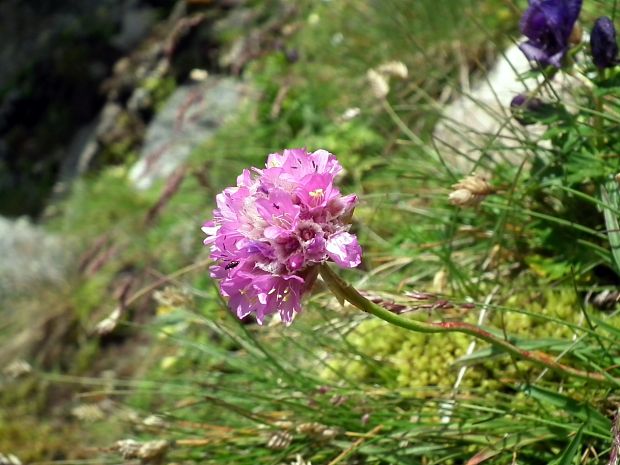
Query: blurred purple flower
point(271, 230)
point(603, 43)
point(548, 25)
point(525, 108)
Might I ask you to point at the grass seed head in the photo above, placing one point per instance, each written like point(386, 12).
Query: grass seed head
point(395, 69)
point(378, 84)
point(280, 440)
point(470, 191)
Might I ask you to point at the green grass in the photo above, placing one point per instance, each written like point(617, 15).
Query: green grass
point(337, 381)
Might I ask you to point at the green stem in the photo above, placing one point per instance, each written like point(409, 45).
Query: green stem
point(344, 291)
point(598, 117)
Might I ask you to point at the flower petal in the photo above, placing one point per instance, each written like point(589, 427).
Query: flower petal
point(603, 43)
point(548, 25)
point(344, 249)
point(574, 9)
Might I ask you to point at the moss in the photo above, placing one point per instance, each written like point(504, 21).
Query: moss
point(416, 360)
point(34, 440)
point(86, 355)
point(26, 396)
point(159, 89)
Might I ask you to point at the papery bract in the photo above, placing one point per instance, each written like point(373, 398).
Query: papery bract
point(271, 230)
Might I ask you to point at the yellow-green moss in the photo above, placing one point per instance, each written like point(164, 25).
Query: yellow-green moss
point(419, 360)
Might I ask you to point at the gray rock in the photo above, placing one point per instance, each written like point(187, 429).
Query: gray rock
point(191, 116)
point(84, 147)
point(32, 29)
point(136, 22)
point(478, 123)
point(108, 119)
point(81, 150)
point(30, 257)
point(140, 100)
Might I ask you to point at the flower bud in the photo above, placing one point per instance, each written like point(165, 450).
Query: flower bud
point(396, 69)
point(464, 198)
point(470, 191)
point(151, 451)
point(280, 440)
point(378, 84)
point(603, 43)
point(525, 109)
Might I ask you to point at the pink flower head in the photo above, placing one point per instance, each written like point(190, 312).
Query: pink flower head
point(270, 231)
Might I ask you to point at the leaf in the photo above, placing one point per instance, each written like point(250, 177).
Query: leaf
point(511, 442)
point(571, 451)
point(607, 327)
point(548, 268)
point(611, 197)
point(551, 345)
point(582, 411)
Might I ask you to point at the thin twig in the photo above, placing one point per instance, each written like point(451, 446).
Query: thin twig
point(355, 445)
point(615, 440)
point(449, 405)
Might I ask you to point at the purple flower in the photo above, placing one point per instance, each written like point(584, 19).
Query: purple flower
point(271, 230)
point(603, 43)
point(526, 109)
point(548, 25)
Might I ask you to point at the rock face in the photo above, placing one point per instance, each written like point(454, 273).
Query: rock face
point(190, 117)
point(54, 56)
point(30, 257)
point(478, 123)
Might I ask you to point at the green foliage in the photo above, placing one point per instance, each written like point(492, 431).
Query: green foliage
point(416, 360)
point(159, 88)
point(406, 359)
point(224, 388)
